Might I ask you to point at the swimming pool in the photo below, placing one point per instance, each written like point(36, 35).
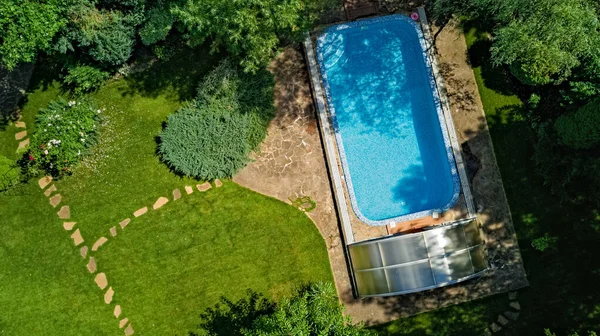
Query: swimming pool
point(386, 114)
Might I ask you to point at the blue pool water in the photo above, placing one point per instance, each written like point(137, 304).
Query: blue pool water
point(397, 159)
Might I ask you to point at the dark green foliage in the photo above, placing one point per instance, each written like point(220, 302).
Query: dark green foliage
point(159, 23)
point(248, 30)
point(314, 310)
point(212, 136)
point(85, 78)
point(27, 26)
point(65, 130)
point(580, 130)
point(9, 173)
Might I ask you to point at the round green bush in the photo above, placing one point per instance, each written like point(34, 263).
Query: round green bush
point(580, 130)
point(85, 78)
point(9, 173)
point(65, 130)
point(212, 136)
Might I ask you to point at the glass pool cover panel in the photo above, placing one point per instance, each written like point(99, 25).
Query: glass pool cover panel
point(419, 261)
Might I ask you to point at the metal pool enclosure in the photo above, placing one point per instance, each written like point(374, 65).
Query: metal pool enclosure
point(418, 261)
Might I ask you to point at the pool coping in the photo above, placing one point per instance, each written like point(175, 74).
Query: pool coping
point(449, 146)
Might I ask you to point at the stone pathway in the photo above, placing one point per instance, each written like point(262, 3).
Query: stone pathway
point(505, 318)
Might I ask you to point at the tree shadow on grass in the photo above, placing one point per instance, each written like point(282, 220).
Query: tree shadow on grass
point(228, 318)
point(177, 77)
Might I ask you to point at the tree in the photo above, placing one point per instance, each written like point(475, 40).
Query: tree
point(549, 41)
point(314, 310)
point(28, 26)
point(249, 30)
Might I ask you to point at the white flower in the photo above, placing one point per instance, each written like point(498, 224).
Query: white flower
point(82, 140)
point(46, 152)
point(98, 111)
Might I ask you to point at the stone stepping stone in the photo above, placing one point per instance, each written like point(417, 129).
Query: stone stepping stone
point(189, 190)
point(64, 213)
point(515, 305)
point(123, 322)
point(487, 332)
point(495, 328)
point(101, 281)
point(20, 124)
point(160, 202)
point(204, 186)
point(502, 320)
point(83, 251)
point(129, 330)
point(55, 200)
point(140, 212)
point(512, 296)
point(218, 183)
point(511, 315)
point(108, 296)
point(113, 231)
point(124, 223)
point(176, 194)
point(69, 225)
point(22, 145)
point(20, 135)
point(50, 190)
point(117, 311)
point(44, 181)
point(77, 238)
point(91, 265)
point(99, 243)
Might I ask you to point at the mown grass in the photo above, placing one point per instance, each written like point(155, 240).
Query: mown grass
point(561, 295)
point(44, 285)
point(170, 265)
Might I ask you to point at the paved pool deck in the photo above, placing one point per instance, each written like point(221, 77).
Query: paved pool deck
point(292, 164)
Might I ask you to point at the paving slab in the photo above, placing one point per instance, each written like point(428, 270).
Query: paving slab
point(69, 225)
point(502, 320)
point(176, 194)
point(140, 212)
point(44, 181)
point(511, 315)
point(117, 311)
point(123, 322)
point(204, 186)
point(218, 183)
point(55, 200)
point(64, 212)
point(108, 296)
point(515, 305)
point(189, 190)
point(20, 124)
point(91, 265)
point(101, 280)
point(50, 190)
point(22, 145)
point(124, 223)
point(101, 241)
point(20, 135)
point(83, 251)
point(512, 296)
point(77, 238)
point(129, 330)
point(495, 328)
point(160, 202)
point(113, 231)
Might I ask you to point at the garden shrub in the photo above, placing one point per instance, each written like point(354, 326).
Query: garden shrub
point(580, 130)
point(84, 78)
point(9, 173)
point(212, 136)
point(65, 130)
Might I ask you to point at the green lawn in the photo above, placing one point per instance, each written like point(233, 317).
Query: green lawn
point(562, 293)
point(172, 264)
point(44, 284)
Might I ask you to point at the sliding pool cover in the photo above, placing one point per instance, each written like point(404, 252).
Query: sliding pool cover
point(388, 122)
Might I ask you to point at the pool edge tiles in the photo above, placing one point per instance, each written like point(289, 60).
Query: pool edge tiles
point(456, 188)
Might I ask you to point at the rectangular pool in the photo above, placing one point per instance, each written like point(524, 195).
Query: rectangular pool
point(385, 110)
